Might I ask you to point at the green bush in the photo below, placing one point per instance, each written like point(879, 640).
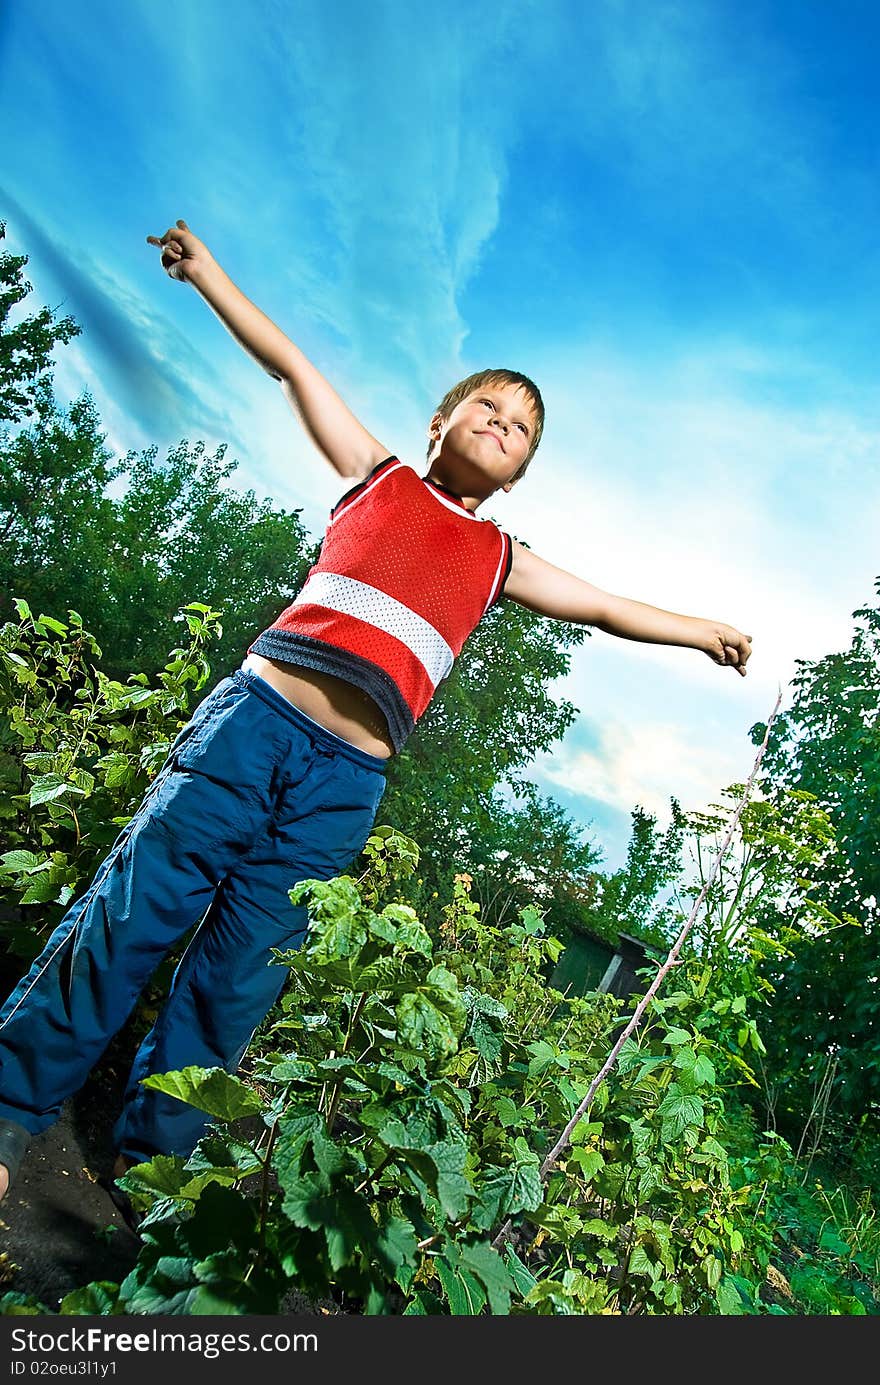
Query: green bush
point(77, 752)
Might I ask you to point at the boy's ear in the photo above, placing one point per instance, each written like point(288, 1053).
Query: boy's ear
point(435, 426)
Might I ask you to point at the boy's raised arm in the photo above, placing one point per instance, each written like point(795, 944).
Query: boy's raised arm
point(551, 591)
point(331, 425)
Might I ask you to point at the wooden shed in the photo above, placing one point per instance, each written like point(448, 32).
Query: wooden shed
point(591, 963)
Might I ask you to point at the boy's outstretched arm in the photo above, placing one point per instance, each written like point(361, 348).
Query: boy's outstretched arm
point(331, 425)
point(551, 591)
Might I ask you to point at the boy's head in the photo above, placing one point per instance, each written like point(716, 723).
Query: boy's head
point(487, 379)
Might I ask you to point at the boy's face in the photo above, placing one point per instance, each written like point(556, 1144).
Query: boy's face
point(486, 439)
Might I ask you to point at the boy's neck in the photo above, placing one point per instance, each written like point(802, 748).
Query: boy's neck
point(469, 502)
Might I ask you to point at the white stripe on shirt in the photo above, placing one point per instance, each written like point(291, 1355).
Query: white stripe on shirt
point(350, 597)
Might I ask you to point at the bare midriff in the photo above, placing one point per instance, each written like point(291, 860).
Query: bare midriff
point(332, 702)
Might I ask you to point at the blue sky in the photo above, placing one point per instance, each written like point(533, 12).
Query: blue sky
point(665, 213)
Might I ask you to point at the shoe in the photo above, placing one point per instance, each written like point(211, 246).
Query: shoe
point(14, 1140)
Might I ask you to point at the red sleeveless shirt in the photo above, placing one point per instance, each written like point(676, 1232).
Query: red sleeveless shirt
point(404, 575)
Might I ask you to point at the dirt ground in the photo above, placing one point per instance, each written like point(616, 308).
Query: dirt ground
point(59, 1229)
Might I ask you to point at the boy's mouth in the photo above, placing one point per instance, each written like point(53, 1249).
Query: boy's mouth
point(485, 432)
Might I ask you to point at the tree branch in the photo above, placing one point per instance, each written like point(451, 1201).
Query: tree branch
point(672, 960)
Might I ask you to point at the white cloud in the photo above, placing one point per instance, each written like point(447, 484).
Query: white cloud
point(645, 763)
point(673, 488)
point(680, 486)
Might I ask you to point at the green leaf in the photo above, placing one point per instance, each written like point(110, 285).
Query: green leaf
point(480, 1004)
point(209, 1089)
point(396, 1247)
point(485, 1262)
point(685, 1060)
point(639, 1263)
point(504, 1192)
point(92, 1300)
point(521, 1275)
point(679, 1109)
point(295, 1136)
point(423, 1304)
point(54, 625)
point(20, 860)
point(207, 1302)
point(589, 1161)
point(437, 1166)
point(385, 974)
point(292, 1070)
point(14, 1304)
point(118, 772)
point(544, 1056)
point(165, 1174)
point(159, 1294)
point(83, 780)
point(506, 1110)
point(488, 1043)
point(605, 1230)
point(704, 1071)
point(454, 1191)
point(430, 1019)
point(49, 787)
point(218, 1153)
point(729, 1298)
point(531, 920)
point(333, 908)
point(338, 1211)
point(40, 891)
point(329, 1156)
point(400, 925)
point(463, 1291)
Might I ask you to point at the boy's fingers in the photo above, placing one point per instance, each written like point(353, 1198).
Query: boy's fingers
point(171, 235)
point(737, 657)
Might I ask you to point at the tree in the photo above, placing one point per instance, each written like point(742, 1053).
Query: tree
point(828, 743)
point(26, 348)
point(630, 900)
point(128, 562)
point(534, 854)
point(827, 1002)
point(126, 542)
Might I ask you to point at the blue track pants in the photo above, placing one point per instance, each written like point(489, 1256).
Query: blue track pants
point(253, 797)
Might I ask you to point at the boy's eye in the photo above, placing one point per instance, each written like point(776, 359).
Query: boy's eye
point(524, 428)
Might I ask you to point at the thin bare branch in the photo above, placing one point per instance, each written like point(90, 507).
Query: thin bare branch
point(671, 960)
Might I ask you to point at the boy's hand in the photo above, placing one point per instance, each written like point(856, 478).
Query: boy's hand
point(182, 252)
point(725, 645)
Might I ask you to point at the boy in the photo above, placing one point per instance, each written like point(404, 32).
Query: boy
point(278, 775)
